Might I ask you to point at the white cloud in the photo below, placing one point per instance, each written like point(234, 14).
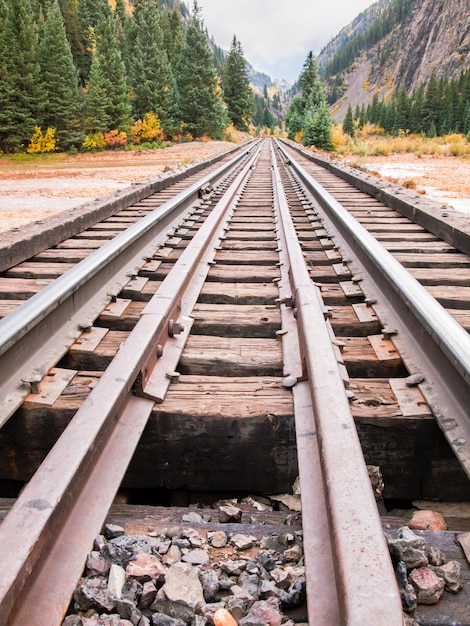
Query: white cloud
point(276, 35)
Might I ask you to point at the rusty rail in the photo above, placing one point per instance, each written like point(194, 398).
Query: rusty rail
point(345, 549)
point(439, 345)
point(62, 508)
point(37, 334)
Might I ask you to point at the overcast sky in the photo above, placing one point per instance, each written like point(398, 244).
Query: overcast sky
point(276, 35)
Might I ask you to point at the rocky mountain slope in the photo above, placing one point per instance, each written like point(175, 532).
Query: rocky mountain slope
point(432, 35)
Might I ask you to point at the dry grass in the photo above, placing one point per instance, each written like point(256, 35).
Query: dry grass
point(372, 141)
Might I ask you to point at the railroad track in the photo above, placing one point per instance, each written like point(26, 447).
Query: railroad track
point(277, 345)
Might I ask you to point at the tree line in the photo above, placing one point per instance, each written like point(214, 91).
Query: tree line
point(80, 74)
point(440, 107)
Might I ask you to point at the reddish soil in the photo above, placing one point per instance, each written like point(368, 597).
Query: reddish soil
point(32, 190)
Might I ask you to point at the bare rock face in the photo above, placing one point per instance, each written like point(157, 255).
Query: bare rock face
point(433, 35)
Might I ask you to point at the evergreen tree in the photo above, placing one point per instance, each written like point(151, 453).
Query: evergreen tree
point(294, 117)
point(69, 10)
point(312, 89)
point(23, 98)
point(348, 123)
point(173, 36)
point(89, 13)
point(201, 106)
point(7, 93)
point(431, 106)
point(237, 89)
point(59, 81)
point(403, 108)
point(317, 131)
point(96, 118)
point(113, 73)
point(310, 111)
point(151, 76)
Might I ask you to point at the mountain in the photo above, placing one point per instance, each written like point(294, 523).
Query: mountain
point(395, 44)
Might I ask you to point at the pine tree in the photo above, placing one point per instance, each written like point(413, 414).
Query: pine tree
point(6, 80)
point(23, 100)
point(150, 71)
point(113, 73)
point(173, 36)
point(348, 123)
point(403, 107)
point(317, 131)
point(295, 117)
point(431, 106)
point(89, 13)
point(60, 81)
point(312, 90)
point(96, 118)
point(237, 89)
point(201, 106)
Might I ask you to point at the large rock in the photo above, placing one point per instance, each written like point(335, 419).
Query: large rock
point(146, 567)
point(427, 520)
point(429, 587)
point(409, 548)
point(181, 594)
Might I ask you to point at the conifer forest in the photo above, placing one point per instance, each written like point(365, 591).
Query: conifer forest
point(88, 74)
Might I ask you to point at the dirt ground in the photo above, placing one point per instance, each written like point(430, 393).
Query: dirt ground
point(445, 179)
point(32, 190)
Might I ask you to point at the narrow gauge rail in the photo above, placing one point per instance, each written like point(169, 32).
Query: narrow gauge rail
point(238, 257)
point(436, 255)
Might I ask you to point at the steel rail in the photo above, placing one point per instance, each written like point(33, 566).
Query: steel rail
point(37, 334)
point(365, 579)
point(62, 508)
point(432, 342)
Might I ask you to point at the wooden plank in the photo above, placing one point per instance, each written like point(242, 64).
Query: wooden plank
point(251, 235)
point(413, 239)
point(327, 273)
point(127, 319)
point(449, 296)
point(73, 244)
point(38, 270)
point(428, 276)
point(236, 320)
point(320, 257)
point(80, 357)
point(266, 226)
point(462, 317)
point(98, 235)
point(71, 256)
point(243, 273)
point(21, 288)
point(437, 247)
point(361, 357)
point(7, 306)
point(238, 356)
point(238, 293)
point(435, 259)
point(413, 454)
point(349, 320)
point(236, 244)
point(144, 294)
point(246, 257)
